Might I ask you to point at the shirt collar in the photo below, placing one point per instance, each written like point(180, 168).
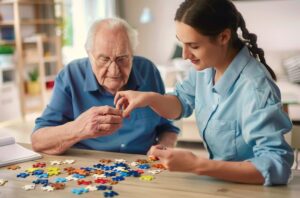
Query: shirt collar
point(90, 82)
point(233, 71)
point(135, 80)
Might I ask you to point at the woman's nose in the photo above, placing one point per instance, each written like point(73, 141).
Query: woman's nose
point(185, 53)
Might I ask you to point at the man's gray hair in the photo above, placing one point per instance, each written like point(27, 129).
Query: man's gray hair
point(112, 23)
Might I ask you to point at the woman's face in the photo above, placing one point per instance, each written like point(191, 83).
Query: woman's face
point(199, 49)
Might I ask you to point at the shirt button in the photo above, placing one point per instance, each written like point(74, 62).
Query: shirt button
point(123, 145)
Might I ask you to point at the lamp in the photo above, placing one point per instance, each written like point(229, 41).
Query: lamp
point(146, 16)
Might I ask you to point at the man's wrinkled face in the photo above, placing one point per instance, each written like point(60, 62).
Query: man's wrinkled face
point(111, 58)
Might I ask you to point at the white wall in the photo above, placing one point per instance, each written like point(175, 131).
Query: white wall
point(157, 38)
point(276, 23)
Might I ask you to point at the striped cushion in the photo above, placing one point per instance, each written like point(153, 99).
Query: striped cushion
point(292, 67)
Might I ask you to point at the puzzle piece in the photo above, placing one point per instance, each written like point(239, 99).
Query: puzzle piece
point(39, 165)
point(2, 182)
point(78, 176)
point(120, 169)
point(38, 172)
point(71, 178)
point(110, 193)
point(23, 175)
point(110, 174)
point(83, 182)
point(69, 170)
point(142, 161)
point(81, 172)
point(13, 167)
point(105, 161)
point(70, 161)
point(159, 166)
point(44, 175)
point(118, 178)
point(102, 181)
point(55, 162)
point(79, 191)
point(97, 176)
point(31, 170)
point(154, 172)
point(58, 186)
point(147, 177)
point(134, 164)
point(53, 171)
point(91, 188)
point(44, 182)
point(98, 172)
point(29, 187)
point(153, 158)
point(113, 182)
point(140, 171)
point(60, 180)
point(144, 166)
point(104, 187)
point(47, 188)
point(120, 161)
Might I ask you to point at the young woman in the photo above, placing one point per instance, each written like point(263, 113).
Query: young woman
point(232, 90)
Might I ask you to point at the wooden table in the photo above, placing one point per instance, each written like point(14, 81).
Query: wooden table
point(166, 184)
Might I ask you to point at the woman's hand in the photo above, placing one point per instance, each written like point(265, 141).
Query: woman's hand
point(129, 100)
point(177, 159)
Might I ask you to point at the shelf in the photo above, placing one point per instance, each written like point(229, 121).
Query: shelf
point(31, 22)
point(7, 23)
point(50, 78)
point(39, 22)
point(26, 1)
point(34, 40)
point(41, 50)
point(7, 42)
point(47, 59)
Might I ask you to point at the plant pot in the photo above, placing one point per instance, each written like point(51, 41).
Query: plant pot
point(33, 87)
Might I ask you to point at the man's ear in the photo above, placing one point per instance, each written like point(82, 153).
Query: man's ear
point(224, 37)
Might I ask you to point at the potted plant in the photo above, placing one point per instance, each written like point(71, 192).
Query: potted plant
point(33, 85)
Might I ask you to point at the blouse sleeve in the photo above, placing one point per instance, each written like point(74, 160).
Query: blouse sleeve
point(264, 124)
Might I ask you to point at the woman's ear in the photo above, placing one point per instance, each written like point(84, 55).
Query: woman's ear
point(224, 37)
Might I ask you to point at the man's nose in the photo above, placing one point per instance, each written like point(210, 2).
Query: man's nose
point(114, 69)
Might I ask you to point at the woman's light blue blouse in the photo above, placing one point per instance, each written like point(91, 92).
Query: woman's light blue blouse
point(240, 117)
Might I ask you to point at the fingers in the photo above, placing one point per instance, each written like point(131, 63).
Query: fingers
point(104, 110)
point(127, 110)
point(118, 96)
point(159, 151)
point(121, 103)
point(109, 119)
point(106, 129)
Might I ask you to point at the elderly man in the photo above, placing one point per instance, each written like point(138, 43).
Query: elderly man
point(81, 112)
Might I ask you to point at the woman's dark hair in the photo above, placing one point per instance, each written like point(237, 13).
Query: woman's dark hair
point(211, 17)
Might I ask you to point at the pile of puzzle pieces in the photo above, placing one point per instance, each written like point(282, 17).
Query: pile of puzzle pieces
point(99, 177)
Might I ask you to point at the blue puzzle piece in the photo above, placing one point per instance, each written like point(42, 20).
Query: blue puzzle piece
point(23, 175)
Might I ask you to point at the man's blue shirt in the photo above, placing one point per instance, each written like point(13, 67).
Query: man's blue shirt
point(240, 117)
point(76, 90)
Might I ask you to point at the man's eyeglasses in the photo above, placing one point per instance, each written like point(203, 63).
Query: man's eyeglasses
point(105, 61)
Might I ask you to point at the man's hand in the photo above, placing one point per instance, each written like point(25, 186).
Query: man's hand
point(98, 121)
